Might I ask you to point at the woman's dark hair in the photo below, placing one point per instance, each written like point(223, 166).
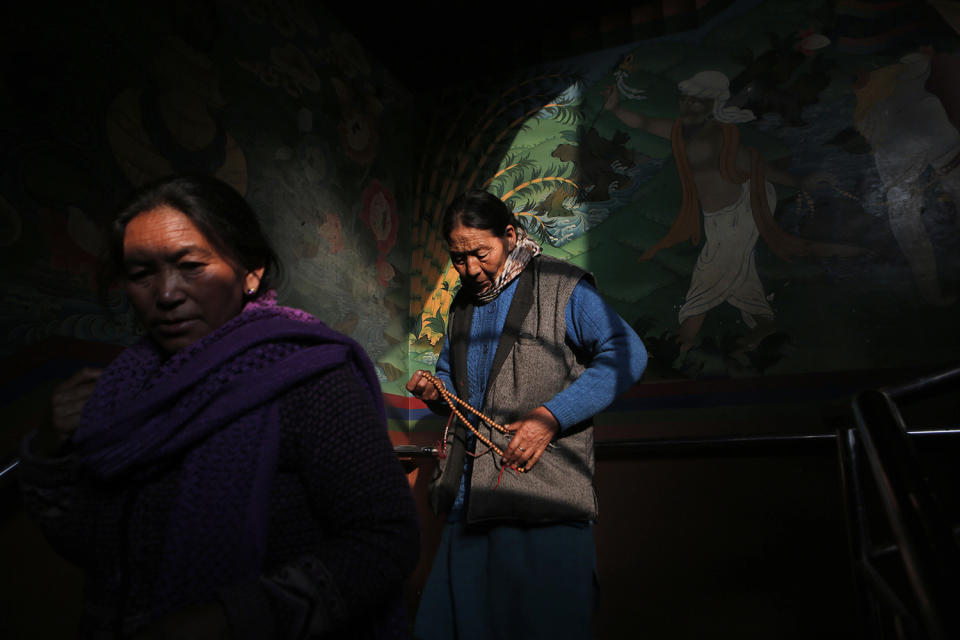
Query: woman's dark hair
point(220, 213)
point(478, 209)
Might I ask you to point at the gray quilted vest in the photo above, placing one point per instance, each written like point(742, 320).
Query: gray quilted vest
point(532, 363)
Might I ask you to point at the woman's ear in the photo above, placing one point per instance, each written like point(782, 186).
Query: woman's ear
point(251, 282)
point(510, 235)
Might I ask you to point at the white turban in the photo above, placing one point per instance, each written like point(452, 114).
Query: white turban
point(715, 86)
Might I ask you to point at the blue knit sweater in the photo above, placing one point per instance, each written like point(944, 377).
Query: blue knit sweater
point(617, 359)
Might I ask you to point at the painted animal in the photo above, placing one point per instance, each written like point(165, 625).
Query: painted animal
point(770, 82)
point(594, 158)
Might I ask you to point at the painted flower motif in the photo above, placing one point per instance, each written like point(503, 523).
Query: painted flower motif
point(283, 22)
point(332, 231)
point(266, 73)
point(71, 238)
point(291, 87)
point(358, 124)
point(809, 41)
point(385, 271)
point(380, 215)
point(359, 137)
point(315, 160)
point(349, 55)
point(292, 62)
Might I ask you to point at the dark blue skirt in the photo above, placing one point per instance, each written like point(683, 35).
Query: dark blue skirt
point(510, 582)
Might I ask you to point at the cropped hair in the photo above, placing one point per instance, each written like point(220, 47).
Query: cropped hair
point(478, 209)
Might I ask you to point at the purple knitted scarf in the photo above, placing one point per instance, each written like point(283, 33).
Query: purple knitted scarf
point(210, 410)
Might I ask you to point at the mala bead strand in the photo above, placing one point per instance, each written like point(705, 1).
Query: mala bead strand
point(452, 401)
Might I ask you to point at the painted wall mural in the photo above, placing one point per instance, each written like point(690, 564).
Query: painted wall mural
point(774, 193)
point(269, 95)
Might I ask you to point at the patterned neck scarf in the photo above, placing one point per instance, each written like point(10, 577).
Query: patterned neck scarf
point(516, 261)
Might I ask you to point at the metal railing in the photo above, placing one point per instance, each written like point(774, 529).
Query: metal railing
point(628, 447)
point(8, 468)
point(878, 456)
point(907, 578)
point(793, 443)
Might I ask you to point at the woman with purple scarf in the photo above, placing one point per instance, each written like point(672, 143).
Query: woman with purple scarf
point(229, 476)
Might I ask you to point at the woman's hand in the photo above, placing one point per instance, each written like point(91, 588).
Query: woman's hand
point(66, 407)
point(531, 436)
point(422, 388)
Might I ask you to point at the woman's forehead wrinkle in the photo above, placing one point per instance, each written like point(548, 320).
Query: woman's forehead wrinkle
point(467, 240)
point(165, 236)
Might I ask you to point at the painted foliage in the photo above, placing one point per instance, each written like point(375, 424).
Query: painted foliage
point(776, 192)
